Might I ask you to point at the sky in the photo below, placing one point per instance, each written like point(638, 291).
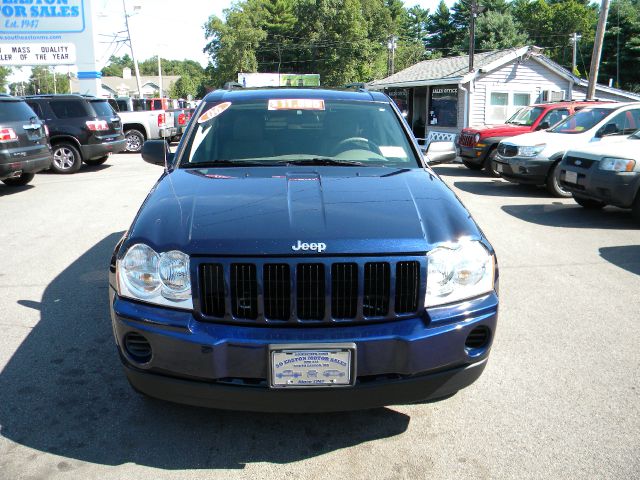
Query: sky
point(164, 26)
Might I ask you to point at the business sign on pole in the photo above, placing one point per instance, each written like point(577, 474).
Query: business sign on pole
point(51, 32)
point(27, 54)
point(42, 16)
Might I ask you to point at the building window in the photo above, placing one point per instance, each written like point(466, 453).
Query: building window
point(502, 105)
point(443, 106)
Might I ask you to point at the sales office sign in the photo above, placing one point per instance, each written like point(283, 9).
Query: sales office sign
point(41, 16)
point(37, 54)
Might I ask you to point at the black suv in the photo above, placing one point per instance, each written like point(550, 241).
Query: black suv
point(82, 129)
point(24, 149)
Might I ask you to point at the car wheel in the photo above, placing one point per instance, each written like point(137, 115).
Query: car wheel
point(553, 183)
point(488, 163)
point(589, 203)
point(19, 181)
point(472, 166)
point(66, 158)
point(635, 210)
point(97, 161)
point(134, 139)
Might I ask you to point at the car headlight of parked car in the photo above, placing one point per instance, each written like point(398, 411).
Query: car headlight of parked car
point(160, 278)
point(617, 164)
point(476, 138)
point(457, 272)
point(530, 151)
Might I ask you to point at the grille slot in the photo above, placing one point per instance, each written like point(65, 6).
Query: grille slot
point(579, 162)
point(407, 286)
point(344, 290)
point(376, 289)
point(212, 289)
point(137, 347)
point(478, 338)
point(277, 291)
point(310, 291)
point(244, 291)
point(467, 139)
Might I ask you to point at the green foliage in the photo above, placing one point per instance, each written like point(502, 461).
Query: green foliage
point(4, 77)
point(346, 40)
point(42, 80)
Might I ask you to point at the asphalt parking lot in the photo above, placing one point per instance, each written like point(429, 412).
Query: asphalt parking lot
point(560, 397)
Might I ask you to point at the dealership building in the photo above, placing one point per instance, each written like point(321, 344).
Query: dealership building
point(440, 97)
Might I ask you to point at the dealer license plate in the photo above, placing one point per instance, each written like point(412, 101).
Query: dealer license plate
point(571, 177)
point(317, 366)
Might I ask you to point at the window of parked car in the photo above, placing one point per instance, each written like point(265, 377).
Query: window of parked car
point(582, 121)
point(15, 111)
point(102, 108)
point(369, 133)
point(526, 116)
point(625, 123)
point(554, 116)
point(69, 109)
point(37, 109)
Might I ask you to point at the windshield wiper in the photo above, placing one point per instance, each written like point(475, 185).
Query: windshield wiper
point(325, 161)
point(227, 163)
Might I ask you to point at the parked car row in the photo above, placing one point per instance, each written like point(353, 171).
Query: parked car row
point(61, 132)
point(151, 119)
point(591, 154)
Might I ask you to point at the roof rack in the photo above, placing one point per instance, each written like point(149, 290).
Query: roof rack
point(232, 86)
point(361, 86)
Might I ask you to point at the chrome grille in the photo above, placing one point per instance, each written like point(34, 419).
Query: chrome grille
point(327, 291)
point(467, 139)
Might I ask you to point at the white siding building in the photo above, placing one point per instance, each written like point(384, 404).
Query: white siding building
point(441, 96)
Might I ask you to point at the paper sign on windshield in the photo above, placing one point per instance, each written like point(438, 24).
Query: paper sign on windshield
point(214, 112)
point(296, 104)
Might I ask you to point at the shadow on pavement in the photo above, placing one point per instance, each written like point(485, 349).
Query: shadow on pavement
point(63, 392)
point(458, 170)
point(573, 216)
point(7, 190)
point(627, 257)
point(502, 188)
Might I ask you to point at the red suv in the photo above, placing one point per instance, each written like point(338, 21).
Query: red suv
point(478, 145)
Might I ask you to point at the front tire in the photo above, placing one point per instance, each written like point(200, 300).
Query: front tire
point(66, 158)
point(20, 181)
point(589, 203)
point(635, 210)
point(553, 183)
point(97, 161)
point(488, 163)
point(134, 139)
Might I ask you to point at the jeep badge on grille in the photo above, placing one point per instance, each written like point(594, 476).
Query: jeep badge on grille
point(316, 247)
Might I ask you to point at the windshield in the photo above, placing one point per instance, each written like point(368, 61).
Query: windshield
point(582, 121)
point(526, 116)
point(285, 131)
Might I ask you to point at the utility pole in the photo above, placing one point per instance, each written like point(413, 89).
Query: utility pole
point(475, 11)
point(135, 62)
point(597, 50)
point(392, 54)
point(574, 41)
point(160, 74)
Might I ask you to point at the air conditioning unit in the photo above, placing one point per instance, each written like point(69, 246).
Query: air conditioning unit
point(552, 95)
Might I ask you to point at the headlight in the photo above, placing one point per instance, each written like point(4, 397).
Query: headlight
point(476, 139)
point(458, 272)
point(163, 279)
point(530, 151)
point(617, 164)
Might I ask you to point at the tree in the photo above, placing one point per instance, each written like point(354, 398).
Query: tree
point(4, 77)
point(43, 80)
point(116, 65)
point(443, 35)
point(496, 31)
point(622, 45)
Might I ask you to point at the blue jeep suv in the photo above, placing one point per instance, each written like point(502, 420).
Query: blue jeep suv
point(298, 254)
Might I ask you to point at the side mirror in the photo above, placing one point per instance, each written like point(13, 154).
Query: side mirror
point(543, 125)
point(157, 152)
point(440, 152)
point(608, 129)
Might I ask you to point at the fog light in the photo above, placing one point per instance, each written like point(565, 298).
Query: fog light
point(137, 347)
point(478, 338)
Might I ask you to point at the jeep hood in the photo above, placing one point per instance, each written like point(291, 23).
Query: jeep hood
point(267, 210)
point(504, 130)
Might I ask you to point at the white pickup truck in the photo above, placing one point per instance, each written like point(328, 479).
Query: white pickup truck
point(140, 124)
